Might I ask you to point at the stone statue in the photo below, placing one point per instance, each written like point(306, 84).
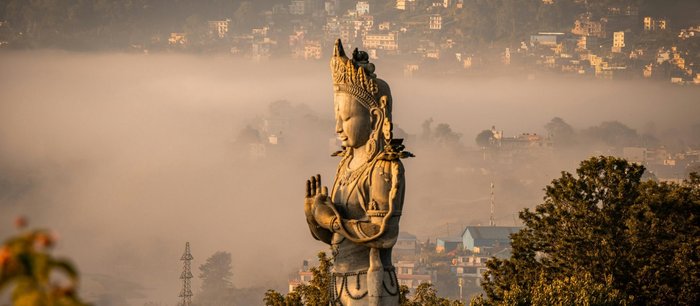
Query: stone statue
point(359, 218)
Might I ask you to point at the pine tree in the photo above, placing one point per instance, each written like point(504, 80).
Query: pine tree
point(217, 288)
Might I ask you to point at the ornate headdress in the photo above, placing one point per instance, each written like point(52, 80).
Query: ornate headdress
point(355, 76)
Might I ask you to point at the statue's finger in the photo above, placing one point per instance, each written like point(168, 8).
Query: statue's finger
point(318, 183)
point(308, 188)
point(313, 185)
point(324, 191)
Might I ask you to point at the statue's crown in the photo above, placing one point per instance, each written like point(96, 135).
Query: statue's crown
point(355, 76)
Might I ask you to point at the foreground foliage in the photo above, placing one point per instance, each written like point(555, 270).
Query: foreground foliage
point(27, 268)
point(603, 237)
point(426, 294)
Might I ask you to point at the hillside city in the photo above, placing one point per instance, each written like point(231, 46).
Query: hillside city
point(620, 39)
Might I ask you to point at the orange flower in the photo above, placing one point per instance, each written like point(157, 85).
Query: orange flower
point(43, 240)
point(4, 255)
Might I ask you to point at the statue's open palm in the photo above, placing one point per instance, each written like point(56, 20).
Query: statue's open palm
point(317, 202)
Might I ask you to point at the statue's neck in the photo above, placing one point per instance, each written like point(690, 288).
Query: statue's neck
point(360, 156)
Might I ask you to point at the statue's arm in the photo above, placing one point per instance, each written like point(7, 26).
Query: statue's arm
point(320, 233)
point(390, 199)
point(376, 231)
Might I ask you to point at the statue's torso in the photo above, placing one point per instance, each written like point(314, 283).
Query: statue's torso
point(351, 193)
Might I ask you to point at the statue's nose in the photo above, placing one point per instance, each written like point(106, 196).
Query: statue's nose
point(338, 126)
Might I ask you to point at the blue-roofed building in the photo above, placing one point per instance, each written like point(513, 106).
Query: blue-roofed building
point(447, 244)
point(477, 237)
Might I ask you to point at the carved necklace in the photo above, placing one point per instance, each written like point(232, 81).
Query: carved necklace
point(348, 176)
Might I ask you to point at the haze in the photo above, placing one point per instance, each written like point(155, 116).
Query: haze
point(127, 157)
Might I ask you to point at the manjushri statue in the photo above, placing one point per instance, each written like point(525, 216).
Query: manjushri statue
point(359, 218)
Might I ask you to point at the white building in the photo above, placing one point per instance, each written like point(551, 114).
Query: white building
point(304, 277)
point(312, 50)
point(362, 8)
point(404, 5)
point(653, 24)
point(387, 41)
point(470, 268)
point(618, 42)
point(297, 7)
point(330, 7)
point(219, 27)
point(411, 274)
point(177, 39)
point(435, 22)
point(401, 5)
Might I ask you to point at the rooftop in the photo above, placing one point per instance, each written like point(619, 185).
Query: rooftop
point(491, 232)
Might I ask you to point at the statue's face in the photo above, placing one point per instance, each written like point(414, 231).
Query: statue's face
point(353, 121)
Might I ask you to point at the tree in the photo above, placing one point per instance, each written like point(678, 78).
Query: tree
point(314, 293)
point(317, 292)
point(442, 134)
point(561, 133)
point(26, 267)
point(614, 134)
point(217, 288)
point(603, 237)
point(483, 139)
point(426, 295)
point(692, 168)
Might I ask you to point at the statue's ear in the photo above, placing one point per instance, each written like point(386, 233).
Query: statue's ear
point(377, 115)
point(387, 126)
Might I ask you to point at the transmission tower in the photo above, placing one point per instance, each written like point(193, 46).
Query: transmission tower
point(186, 292)
point(493, 207)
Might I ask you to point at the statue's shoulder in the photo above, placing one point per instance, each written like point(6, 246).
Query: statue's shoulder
point(394, 151)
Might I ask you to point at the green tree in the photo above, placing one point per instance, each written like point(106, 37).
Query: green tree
point(603, 237)
point(317, 292)
point(561, 133)
point(217, 288)
point(483, 139)
point(274, 298)
point(426, 295)
point(614, 134)
point(26, 267)
point(404, 291)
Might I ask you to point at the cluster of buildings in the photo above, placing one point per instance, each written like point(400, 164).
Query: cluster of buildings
point(425, 36)
point(662, 164)
point(460, 260)
point(522, 141)
point(616, 46)
point(621, 44)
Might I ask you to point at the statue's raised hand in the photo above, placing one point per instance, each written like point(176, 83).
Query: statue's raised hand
point(316, 202)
